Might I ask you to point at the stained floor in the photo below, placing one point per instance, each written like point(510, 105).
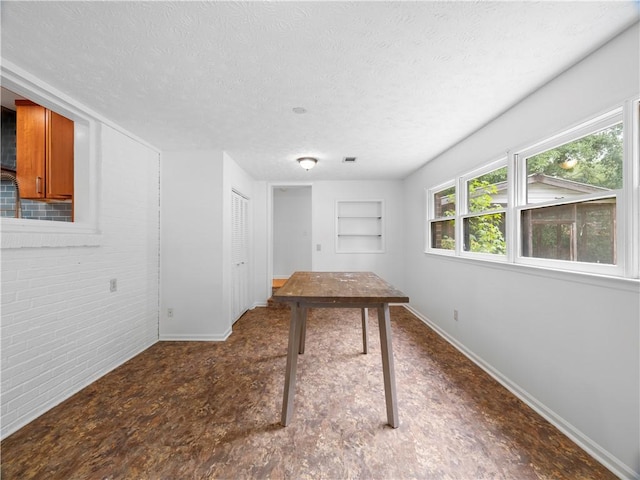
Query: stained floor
point(200, 410)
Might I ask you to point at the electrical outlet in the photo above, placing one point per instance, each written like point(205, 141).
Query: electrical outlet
point(455, 315)
point(170, 312)
point(113, 284)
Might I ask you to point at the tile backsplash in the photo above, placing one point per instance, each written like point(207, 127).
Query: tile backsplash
point(8, 137)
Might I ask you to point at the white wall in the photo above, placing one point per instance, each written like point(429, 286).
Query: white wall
point(261, 244)
point(566, 343)
point(323, 198)
point(62, 328)
point(192, 246)
point(291, 230)
point(387, 265)
point(196, 243)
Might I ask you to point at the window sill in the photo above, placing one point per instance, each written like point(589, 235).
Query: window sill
point(606, 281)
point(22, 233)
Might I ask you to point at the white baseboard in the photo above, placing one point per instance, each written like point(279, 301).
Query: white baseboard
point(592, 448)
point(188, 337)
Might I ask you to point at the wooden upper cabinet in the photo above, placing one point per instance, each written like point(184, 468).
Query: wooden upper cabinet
point(44, 153)
point(59, 156)
point(31, 142)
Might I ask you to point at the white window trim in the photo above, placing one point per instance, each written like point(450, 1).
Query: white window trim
point(430, 217)
point(19, 232)
point(586, 267)
point(464, 213)
point(85, 230)
point(627, 205)
point(581, 130)
point(574, 133)
point(631, 199)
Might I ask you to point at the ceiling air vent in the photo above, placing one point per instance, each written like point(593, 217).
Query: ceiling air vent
point(349, 160)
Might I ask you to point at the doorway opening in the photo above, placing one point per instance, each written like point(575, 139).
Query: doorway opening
point(291, 241)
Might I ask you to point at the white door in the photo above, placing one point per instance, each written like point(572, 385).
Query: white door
point(239, 255)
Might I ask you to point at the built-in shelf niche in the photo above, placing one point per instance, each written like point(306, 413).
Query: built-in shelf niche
point(359, 226)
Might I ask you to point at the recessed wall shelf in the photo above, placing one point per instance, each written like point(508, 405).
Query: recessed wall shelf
point(359, 226)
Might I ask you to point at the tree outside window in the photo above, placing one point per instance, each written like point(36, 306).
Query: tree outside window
point(443, 227)
point(579, 231)
point(484, 227)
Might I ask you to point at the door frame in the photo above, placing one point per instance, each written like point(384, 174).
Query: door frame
point(271, 187)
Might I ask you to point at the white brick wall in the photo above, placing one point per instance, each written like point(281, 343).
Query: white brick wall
point(61, 326)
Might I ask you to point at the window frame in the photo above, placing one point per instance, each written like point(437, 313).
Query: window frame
point(627, 198)
point(84, 230)
point(631, 182)
point(583, 129)
point(464, 213)
point(431, 218)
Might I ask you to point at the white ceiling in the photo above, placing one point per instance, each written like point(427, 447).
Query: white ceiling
point(392, 83)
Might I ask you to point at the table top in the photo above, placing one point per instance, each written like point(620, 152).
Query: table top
point(338, 287)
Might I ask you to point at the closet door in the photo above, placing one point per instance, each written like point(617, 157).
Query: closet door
point(239, 255)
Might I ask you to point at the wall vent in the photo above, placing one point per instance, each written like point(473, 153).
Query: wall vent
point(349, 160)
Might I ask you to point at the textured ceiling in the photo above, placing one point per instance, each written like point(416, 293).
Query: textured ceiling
point(392, 83)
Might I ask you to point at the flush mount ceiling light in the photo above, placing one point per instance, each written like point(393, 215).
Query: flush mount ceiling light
point(307, 162)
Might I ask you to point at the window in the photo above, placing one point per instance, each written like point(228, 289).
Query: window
point(591, 164)
point(578, 232)
point(486, 203)
point(569, 202)
point(442, 225)
point(572, 193)
point(29, 229)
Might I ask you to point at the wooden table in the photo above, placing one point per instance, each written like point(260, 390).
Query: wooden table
point(362, 290)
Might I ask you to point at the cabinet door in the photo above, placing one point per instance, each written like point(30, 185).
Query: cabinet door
point(30, 149)
point(59, 156)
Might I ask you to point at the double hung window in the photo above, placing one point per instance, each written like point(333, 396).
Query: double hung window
point(443, 218)
point(570, 195)
point(483, 224)
point(570, 202)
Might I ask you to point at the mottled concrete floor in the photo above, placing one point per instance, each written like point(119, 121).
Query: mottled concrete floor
point(195, 410)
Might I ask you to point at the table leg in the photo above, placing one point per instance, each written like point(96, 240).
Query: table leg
point(384, 322)
point(292, 364)
point(365, 340)
point(303, 328)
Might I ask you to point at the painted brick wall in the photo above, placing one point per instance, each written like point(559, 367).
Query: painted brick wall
point(61, 326)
